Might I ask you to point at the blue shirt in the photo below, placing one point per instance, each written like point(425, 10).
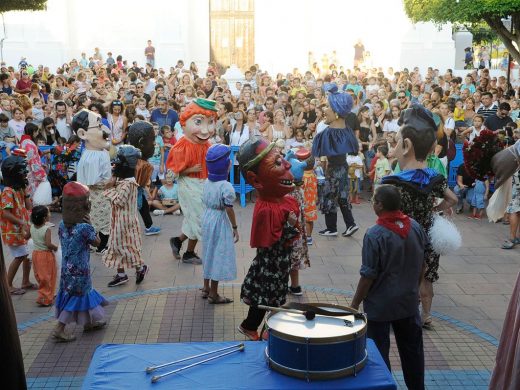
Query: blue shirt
point(395, 264)
point(170, 118)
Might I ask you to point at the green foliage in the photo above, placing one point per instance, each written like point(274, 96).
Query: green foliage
point(463, 11)
point(22, 5)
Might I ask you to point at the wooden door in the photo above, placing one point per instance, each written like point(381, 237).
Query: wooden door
point(232, 35)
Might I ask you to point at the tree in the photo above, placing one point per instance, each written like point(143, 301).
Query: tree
point(22, 5)
point(17, 5)
point(492, 12)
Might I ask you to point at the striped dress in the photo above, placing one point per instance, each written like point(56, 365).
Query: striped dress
point(125, 243)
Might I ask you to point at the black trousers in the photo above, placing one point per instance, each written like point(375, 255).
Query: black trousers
point(145, 213)
point(331, 219)
point(408, 336)
point(254, 318)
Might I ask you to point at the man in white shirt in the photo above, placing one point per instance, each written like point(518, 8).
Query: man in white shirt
point(63, 120)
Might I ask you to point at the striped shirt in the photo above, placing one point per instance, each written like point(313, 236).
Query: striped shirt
point(486, 112)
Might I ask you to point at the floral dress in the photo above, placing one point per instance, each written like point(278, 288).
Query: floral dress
point(418, 204)
point(36, 174)
point(268, 276)
point(300, 251)
point(514, 205)
point(77, 301)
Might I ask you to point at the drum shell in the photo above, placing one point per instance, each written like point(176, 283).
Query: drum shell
point(317, 358)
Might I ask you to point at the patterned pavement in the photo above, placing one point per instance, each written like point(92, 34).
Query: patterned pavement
point(471, 298)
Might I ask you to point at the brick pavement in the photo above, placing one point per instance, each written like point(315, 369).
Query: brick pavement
point(470, 303)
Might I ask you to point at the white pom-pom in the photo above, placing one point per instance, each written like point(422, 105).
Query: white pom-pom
point(444, 236)
point(43, 194)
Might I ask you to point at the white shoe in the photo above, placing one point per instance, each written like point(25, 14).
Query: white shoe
point(177, 212)
point(158, 212)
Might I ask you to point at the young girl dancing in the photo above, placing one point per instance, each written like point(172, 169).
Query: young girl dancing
point(77, 301)
point(43, 258)
point(219, 226)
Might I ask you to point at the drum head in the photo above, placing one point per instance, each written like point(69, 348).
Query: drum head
point(296, 325)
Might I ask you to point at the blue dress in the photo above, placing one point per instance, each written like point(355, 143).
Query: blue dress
point(77, 301)
point(218, 248)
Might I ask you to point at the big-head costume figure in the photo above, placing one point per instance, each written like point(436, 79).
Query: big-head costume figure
point(335, 142)
point(187, 159)
point(419, 187)
point(141, 136)
point(94, 169)
point(273, 229)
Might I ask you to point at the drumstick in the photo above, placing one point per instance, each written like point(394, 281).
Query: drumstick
point(309, 314)
point(157, 377)
point(153, 368)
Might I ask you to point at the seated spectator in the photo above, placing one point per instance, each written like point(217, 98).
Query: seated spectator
point(464, 188)
point(500, 118)
point(168, 200)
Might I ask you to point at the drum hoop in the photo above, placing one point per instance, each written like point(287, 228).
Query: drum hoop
point(321, 340)
point(318, 340)
point(333, 374)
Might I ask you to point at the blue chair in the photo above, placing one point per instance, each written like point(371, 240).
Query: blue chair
point(242, 188)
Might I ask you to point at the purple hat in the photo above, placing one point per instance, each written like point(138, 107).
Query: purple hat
point(217, 161)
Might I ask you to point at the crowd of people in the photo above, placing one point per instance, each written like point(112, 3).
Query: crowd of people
point(296, 113)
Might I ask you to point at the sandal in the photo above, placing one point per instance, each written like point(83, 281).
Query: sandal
point(62, 337)
point(95, 326)
point(17, 291)
point(30, 286)
point(509, 244)
point(204, 293)
point(250, 334)
point(219, 300)
point(427, 323)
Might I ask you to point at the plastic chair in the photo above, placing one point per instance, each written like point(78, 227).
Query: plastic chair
point(242, 188)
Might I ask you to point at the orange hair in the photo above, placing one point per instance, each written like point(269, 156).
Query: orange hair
point(192, 109)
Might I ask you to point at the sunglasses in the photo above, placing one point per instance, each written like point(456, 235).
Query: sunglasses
point(25, 74)
point(402, 97)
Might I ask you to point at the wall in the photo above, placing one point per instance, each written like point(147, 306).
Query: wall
point(67, 28)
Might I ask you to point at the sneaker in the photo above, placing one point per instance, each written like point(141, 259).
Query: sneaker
point(102, 251)
point(176, 245)
point(191, 258)
point(152, 230)
point(296, 290)
point(158, 212)
point(139, 274)
point(94, 326)
point(309, 241)
point(118, 280)
point(350, 231)
point(177, 212)
point(327, 232)
point(250, 334)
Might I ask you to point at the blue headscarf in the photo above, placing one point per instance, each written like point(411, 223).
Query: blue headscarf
point(340, 103)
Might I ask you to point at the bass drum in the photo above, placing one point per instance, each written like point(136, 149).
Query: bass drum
point(323, 348)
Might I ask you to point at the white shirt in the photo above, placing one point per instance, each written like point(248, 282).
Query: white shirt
point(18, 127)
point(321, 126)
point(391, 126)
point(63, 128)
point(355, 160)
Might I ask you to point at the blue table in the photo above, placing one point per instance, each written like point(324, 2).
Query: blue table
point(121, 366)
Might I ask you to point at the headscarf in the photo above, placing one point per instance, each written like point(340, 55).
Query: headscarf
point(340, 103)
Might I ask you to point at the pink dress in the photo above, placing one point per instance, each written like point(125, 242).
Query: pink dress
point(506, 374)
point(36, 173)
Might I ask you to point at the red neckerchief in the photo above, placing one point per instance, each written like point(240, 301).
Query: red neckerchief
point(395, 221)
point(269, 219)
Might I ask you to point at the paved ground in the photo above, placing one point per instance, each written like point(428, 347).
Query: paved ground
point(470, 303)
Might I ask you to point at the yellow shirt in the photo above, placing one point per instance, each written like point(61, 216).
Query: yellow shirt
point(458, 114)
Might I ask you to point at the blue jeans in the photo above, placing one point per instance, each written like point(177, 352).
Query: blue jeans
point(465, 193)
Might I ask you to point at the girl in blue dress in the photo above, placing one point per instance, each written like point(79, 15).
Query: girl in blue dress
point(219, 226)
point(77, 301)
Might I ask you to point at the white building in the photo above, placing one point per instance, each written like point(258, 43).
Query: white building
point(276, 34)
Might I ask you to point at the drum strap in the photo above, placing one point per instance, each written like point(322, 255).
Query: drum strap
point(323, 312)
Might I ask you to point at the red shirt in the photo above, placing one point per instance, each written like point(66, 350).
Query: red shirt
point(23, 84)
